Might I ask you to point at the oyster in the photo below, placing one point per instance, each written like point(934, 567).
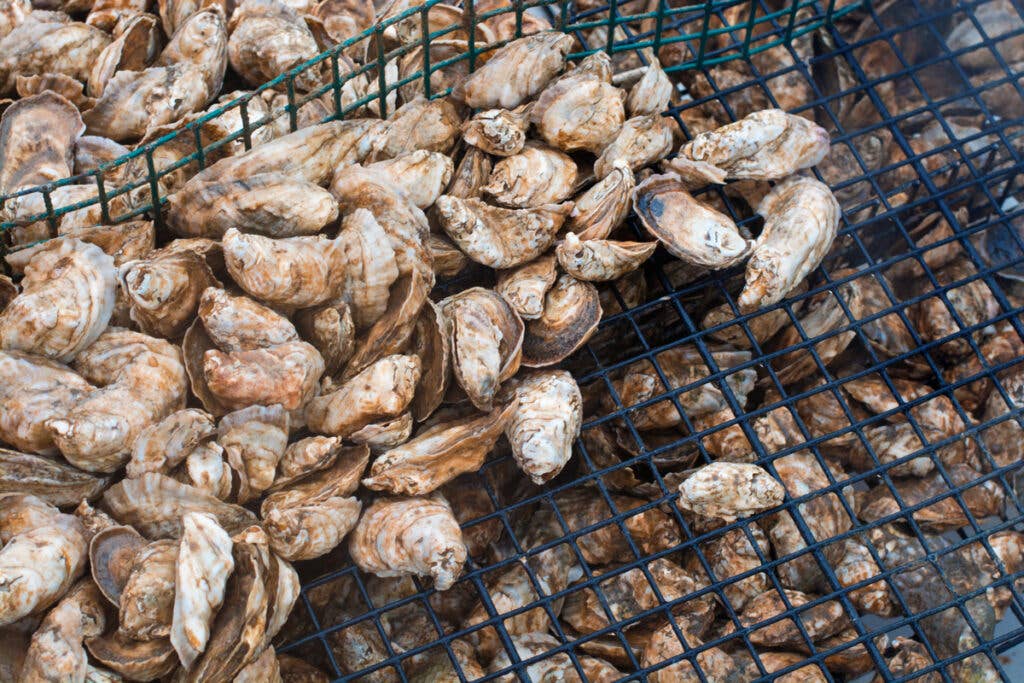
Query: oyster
point(286, 374)
point(525, 287)
point(48, 479)
point(545, 422)
point(601, 260)
point(652, 93)
point(123, 242)
point(56, 651)
point(201, 574)
point(534, 177)
point(500, 237)
point(486, 342)
point(641, 141)
point(420, 124)
point(582, 110)
point(438, 454)
point(294, 271)
point(111, 554)
point(418, 536)
point(572, 311)
point(269, 37)
point(371, 267)
point(727, 491)
point(422, 174)
point(331, 330)
point(690, 230)
point(147, 598)
point(765, 145)
point(431, 343)
point(498, 131)
point(37, 141)
point(973, 302)
point(516, 72)
point(801, 221)
point(448, 259)
point(604, 206)
point(49, 45)
point(254, 441)
point(237, 323)
point(164, 290)
point(470, 175)
point(135, 48)
point(73, 281)
point(381, 391)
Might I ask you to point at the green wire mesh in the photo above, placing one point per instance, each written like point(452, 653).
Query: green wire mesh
point(692, 26)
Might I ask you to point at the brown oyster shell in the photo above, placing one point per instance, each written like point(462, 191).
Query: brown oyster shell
point(124, 242)
point(498, 131)
point(423, 174)
point(371, 267)
point(254, 440)
point(572, 310)
point(135, 659)
point(516, 72)
point(525, 287)
point(331, 330)
point(383, 390)
point(652, 93)
point(37, 141)
point(601, 260)
point(471, 174)
point(47, 479)
point(237, 323)
point(133, 50)
point(391, 332)
point(49, 46)
point(582, 110)
point(164, 291)
point(431, 125)
point(111, 555)
point(536, 176)
point(430, 342)
point(641, 141)
point(269, 38)
point(605, 205)
point(164, 445)
point(147, 598)
point(545, 422)
point(286, 374)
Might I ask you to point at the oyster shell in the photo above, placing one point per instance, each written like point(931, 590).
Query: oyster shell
point(727, 491)
point(652, 93)
point(254, 440)
point(73, 279)
point(420, 124)
point(500, 237)
point(572, 310)
point(286, 374)
point(801, 221)
point(390, 334)
point(438, 454)
point(123, 242)
point(641, 141)
point(381, 391)
point(536, 176)
point(516, 72)
point(601, 260)
point(237, 323)
point(471, 174)
point(525, 287)
point(422, 174)
point(582, 110)
point(164, 290)
point(37, 141)
point(371, 267)
point(448, 259)
point(689, 229)
point(56, 650)
point(147, 598)
point(605, 205)
point(49, 45)
point(47, 479)
point(136, 659)
point(331, 330)
point(418, 536)
point(269, 37)
point(765, 145)
point(381, 436)
point(111, 554)
point(143, 380)
point(486, 342)
point(134, 48)
point(498, 131)
point(430, 342)
point(201, 574)
point(545, 423)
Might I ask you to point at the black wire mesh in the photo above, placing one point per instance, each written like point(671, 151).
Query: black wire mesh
point(970, 180)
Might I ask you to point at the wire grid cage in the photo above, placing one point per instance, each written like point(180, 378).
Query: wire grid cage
point(970, 180)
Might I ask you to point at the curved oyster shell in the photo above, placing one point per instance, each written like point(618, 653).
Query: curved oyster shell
point(147, 600)
point(801, 221)
point(545, 423)
point(237, 323)
point(418, 536)
point(37, 141)
point(486, 342)
point(133, 50)
point(123, 242)
point(201, 574)
point(652, 93)
point(582, 110)
point(438, 454)
point(605, 205)
point(421, 124)
point(766, 145)
point(34, 389)
point(295, 271)
point(525, 287)
point(516, 72)
point(498, 131)
point(142, 660)
point(56, 651)
point(471, 174)
point(392, 330)
point(430, 342)
point(164, 291)
point(536, 176)
point(67, 297)
point(500, 237)
point(690, 230)
point(601, 260)
point(422, 174)
point(47, 479)
point(371, 267)
point(572, 310)
point(254, 440)
point(47, 46)
point(381, 391)
point(381, 436)
point(286, 374)
point(111, 554)
point(268, 38)
point(332, 331)
point(641, 141)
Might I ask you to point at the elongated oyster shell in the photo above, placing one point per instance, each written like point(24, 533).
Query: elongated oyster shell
point(572, 310)
point(286, 373)
point(34, 389)
point(419, 536)
point(516, 72)
point(67, 297)
point(201, 574)
point(431, 125)
point(601, 260)
point(56, 651)
point(295, 271)
point(164, 291)
point(801, 221)
point(143, 380)
point(331, 330)
point(500, 237)
point(438, 454)
point(254, 441)
point(382, 390)
point(471, 174)
point(47, 479)
point(47, 46)
point(134, 49)
point(486, 342)
point(147, 601)
point(582, 110)
point(269, 37)
point(652, 93)
point(526, 286)
point(604, 206)
point(123, 242)
point(641, 141)
point(766, 145)
point(237, 323)
point(498, 131)
point(422, 174)
point(431, 343)
point(690, 230)
point(545, 422)
point(37, 141)
point(371, 267)
point(536, 176)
